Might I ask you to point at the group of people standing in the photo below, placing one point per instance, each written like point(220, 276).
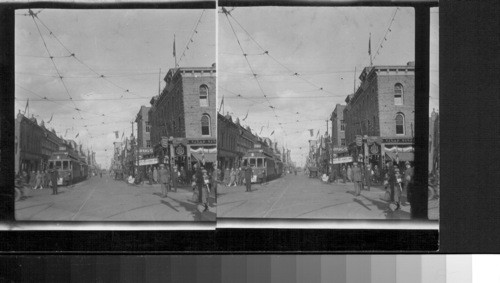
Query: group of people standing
point(38, 180)
point(238, 176)
point(395, 181)
point(202, 181)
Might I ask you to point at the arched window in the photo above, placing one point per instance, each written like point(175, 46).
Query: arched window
point(204, 96)
point(400, 124)
point(205, 125)
point(398, 94)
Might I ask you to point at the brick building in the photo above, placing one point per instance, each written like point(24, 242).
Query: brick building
point(380, 114)
point(183, 117)
point(233, 141)
point(143, 127)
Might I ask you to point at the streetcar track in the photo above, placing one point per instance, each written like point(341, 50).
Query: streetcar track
point(49, 206)
point(84, 203)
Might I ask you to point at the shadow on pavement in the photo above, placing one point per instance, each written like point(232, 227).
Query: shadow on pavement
point(361, 203)
point(169, 205)
point(388, 212)
point(195, 213)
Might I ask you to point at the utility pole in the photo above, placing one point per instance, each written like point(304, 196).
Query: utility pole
point(327, 127)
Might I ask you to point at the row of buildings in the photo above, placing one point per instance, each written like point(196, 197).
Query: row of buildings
point(179, 125)
point(35, 143)
point(375, 124)
point(234, 140)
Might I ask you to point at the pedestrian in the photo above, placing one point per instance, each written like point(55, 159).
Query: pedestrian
point(32, 178)
point(344, 174)
point(174, 176)
point(227, 176)
point(232, 180)
point(368, 176)
point(241, 176)
point(38, 180)
point(376, 174)
point(215, 181)
point(182, 173)
point(164, 179)
point(356, 178)
point(205, 189)
point(349, 173)
point(398, 189)
point(150, 176)
point(25, 178)
point(391, 178)
point(155, 175)
point(46, 179)
point(248, 178)
point(199, 180)
point(54, 177)
point(408, 180)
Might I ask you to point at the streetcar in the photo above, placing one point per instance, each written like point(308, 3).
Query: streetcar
point(264, 164)
point(71, 169)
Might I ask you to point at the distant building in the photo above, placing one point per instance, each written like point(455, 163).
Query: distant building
point(233, 141)
point(143, 127)
point(338, 126)
point(381, 113)
point(184, 115)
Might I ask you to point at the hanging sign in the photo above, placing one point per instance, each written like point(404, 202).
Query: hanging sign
point(180, 150)
point(164, 142)
point(359, 140)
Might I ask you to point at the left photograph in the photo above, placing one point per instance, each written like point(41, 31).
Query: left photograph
point(115, 115)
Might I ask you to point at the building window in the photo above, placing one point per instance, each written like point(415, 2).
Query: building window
point(148, 143)
point(148, 127)
point(400, 124)
point(342, 125)
point(398, 94)
point(205, 125)
point(204, 96)
point(342, 142)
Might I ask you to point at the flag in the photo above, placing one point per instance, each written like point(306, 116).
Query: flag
point(272, 133)
point(370, 45)
point(51, 118)
point(77, 135)
point(261, 130)
point(116, 134)
point(123, 134)
point(246, 115)
point(66, 132)
point(311, 131)
point(221, 103)
point(27, 104)
point(173, 53)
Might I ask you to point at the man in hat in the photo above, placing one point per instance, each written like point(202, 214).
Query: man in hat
point(356, 178)
point(164, 179)
point(54, 176)
point(248, 178)
point(391, 177)
point(408, 179)
point(368, 176)
point(174, 176)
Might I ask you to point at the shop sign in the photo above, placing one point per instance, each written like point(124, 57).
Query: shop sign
point(340, 160)
point(399, 140)
point(149, 161)
point(374, 149)
point(180, 150)
point(164, 142)
point(145, 150)
point(207, 141)
point(359, 140)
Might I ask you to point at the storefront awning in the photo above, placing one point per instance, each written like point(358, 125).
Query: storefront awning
point(403, 156)
point(209, 157)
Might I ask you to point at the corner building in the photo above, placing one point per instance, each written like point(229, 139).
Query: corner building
point(380, 115)
point(183, 117)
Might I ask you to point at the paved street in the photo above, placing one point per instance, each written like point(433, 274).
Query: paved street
point(301, 197)
point(109, 200)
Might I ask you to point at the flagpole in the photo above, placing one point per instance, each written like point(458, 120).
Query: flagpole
point(370, 49)
point(175, 54)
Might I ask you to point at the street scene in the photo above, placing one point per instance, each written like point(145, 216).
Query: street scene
point(105, 199)
point(316, 116)
point(115, 115)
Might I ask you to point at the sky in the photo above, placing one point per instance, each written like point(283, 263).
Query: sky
point(313, 61)
point(127, 47)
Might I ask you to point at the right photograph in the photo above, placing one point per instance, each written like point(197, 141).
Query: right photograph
point(316, 113)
